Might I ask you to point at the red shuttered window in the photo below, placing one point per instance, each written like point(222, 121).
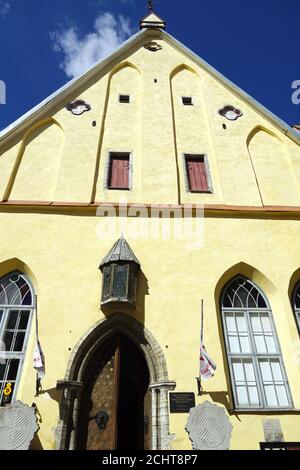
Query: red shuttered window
point(197, 173)
point(118, 175)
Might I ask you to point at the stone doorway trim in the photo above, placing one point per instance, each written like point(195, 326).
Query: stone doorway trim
point(71, 386)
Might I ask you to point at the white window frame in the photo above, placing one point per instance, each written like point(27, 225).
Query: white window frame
point(15, 354)
point(254, 356)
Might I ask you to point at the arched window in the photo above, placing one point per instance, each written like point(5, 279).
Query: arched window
point(256, 367)
point(296, 304)
point(16, 309)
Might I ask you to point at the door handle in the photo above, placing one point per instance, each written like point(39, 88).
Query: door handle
point(101, 419)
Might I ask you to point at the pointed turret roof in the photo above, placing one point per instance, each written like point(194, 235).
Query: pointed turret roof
point(120, 251)
point(152, 20)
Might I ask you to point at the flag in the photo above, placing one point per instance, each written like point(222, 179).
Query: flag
point(207, 365)
point(39, 360)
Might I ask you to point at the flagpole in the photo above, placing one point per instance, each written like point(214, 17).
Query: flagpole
point(38, 383)
point(199, 385)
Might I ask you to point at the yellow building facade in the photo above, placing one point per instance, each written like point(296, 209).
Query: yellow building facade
point(160, 110)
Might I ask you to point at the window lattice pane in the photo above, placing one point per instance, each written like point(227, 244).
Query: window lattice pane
point(19, 341)
point(282, 395)
point(237, 333)
point(12, 319)
point(273, 382)
point(245, 382)
point(13, 369)
point(270, 395)
point(24, 318)
point(107, 274)
point(14, 290)
point(13, 338)
point(8, 340)
point(8, 374)
point(119, 289)
point(263, 333)
point(243, 294)
point(2, 368)
point(260, 344)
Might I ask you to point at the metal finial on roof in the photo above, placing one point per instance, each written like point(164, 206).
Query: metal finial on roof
point(120, 251)
point(150, 6)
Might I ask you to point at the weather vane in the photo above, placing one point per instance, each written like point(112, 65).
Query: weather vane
point(150, 5)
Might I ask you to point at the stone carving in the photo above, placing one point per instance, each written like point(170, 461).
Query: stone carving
point(153, 46)
point(18, 424)
point(231, 113)
point(272, 430)
point(208, 427)
point(78, 107)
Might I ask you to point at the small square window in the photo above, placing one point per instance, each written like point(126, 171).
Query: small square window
point(124, 99)
point(118, 171)
point(187, 101)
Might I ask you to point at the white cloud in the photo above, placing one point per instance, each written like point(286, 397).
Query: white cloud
point(4, 8)
point(81, 53)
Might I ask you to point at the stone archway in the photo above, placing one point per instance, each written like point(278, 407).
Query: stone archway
point(84, 350)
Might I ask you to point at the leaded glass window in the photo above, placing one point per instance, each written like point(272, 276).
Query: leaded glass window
point(16, 309)
point(119, 283)
point(296, 304)
point(255, 361)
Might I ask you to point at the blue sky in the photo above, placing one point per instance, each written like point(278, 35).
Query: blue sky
point(43, 44)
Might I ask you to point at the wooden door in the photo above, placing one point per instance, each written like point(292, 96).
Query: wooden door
point(115, 386)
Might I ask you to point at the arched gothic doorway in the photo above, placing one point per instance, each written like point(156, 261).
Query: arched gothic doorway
point(117, 380)
point(115, 409)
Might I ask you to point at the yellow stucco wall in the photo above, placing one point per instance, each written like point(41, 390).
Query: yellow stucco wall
point(67, 282)
point(61, 249)
point(158, 130)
